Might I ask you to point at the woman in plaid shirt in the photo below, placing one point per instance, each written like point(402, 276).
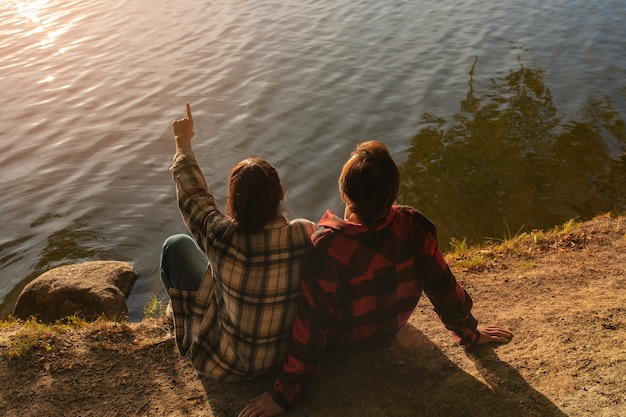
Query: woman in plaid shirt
point(235, 286)
point(365, 276)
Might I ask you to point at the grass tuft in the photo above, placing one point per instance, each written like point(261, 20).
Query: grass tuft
point(33, 335)
point(154, 308)
point(466, 256)
point(567, 227)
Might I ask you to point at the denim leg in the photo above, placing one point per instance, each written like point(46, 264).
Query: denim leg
point(182, 263)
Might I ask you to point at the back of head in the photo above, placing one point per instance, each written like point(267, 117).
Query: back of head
point(369, 181)
point(255, 194)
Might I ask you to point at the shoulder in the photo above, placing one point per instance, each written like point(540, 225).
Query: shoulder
point(303, 228)
point(415, 229)
point(416, 218)
point(303, 223)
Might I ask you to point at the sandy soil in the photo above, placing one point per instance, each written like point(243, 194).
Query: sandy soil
point(563, 294)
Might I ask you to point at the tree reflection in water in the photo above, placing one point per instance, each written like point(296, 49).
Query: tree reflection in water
point(509, 162)
point(74, 244)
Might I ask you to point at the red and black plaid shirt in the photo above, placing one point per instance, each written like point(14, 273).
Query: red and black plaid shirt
point(360, 286)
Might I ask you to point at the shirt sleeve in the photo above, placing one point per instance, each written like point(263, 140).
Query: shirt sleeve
point(181, 305)
point(309, 336)
point(451, 302)
point(197, 205)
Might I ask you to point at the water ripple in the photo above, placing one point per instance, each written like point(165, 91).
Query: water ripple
point(90, 89)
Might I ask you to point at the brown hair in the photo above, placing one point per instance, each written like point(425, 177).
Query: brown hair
point(255, 194)
point(369, 181)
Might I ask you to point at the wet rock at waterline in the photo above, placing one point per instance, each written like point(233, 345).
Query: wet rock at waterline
point(89, 290)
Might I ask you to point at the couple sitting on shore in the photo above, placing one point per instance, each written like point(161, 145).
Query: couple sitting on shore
point(252, 291)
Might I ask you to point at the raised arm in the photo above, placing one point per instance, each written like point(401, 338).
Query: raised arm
point(197, 205)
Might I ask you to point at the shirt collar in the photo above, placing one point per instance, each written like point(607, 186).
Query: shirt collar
point(277, 223)
point(333, 221)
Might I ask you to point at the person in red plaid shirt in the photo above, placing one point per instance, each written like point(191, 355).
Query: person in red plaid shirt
point(235, 286)
point(362, 281)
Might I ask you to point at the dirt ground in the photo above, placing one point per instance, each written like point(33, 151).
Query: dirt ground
point(563, 294)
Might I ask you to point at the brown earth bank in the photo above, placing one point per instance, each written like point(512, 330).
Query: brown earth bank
point(562, 292)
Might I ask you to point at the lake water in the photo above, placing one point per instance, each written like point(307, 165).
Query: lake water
point(504, 116)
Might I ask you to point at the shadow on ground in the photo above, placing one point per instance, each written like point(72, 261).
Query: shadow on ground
point(412, 377)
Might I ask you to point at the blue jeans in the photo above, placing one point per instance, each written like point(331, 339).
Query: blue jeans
point(182, 263)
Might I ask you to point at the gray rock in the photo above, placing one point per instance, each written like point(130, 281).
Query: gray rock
point(89, 290)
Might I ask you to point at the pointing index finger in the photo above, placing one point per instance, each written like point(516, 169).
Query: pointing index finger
point(188, 111)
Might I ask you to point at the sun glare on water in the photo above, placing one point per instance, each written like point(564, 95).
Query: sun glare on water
point(30, 10)
point(37, 18)
point(37, 26)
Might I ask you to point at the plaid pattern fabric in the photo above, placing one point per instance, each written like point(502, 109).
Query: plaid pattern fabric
point(237, 324)
point(361, 284)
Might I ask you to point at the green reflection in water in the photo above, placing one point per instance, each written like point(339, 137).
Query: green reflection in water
point(509, 162)
point(74, 244)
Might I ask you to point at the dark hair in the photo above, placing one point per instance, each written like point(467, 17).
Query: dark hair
point(369, 181)
point(254, 194)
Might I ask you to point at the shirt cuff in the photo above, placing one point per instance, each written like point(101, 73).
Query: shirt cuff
point(180, 156)
point(467, 341)
point(280, 399)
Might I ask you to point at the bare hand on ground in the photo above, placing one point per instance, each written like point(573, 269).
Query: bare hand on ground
point(261, 406)
point(493, 334)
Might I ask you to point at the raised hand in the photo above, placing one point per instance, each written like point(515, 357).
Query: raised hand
point(182, 129)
